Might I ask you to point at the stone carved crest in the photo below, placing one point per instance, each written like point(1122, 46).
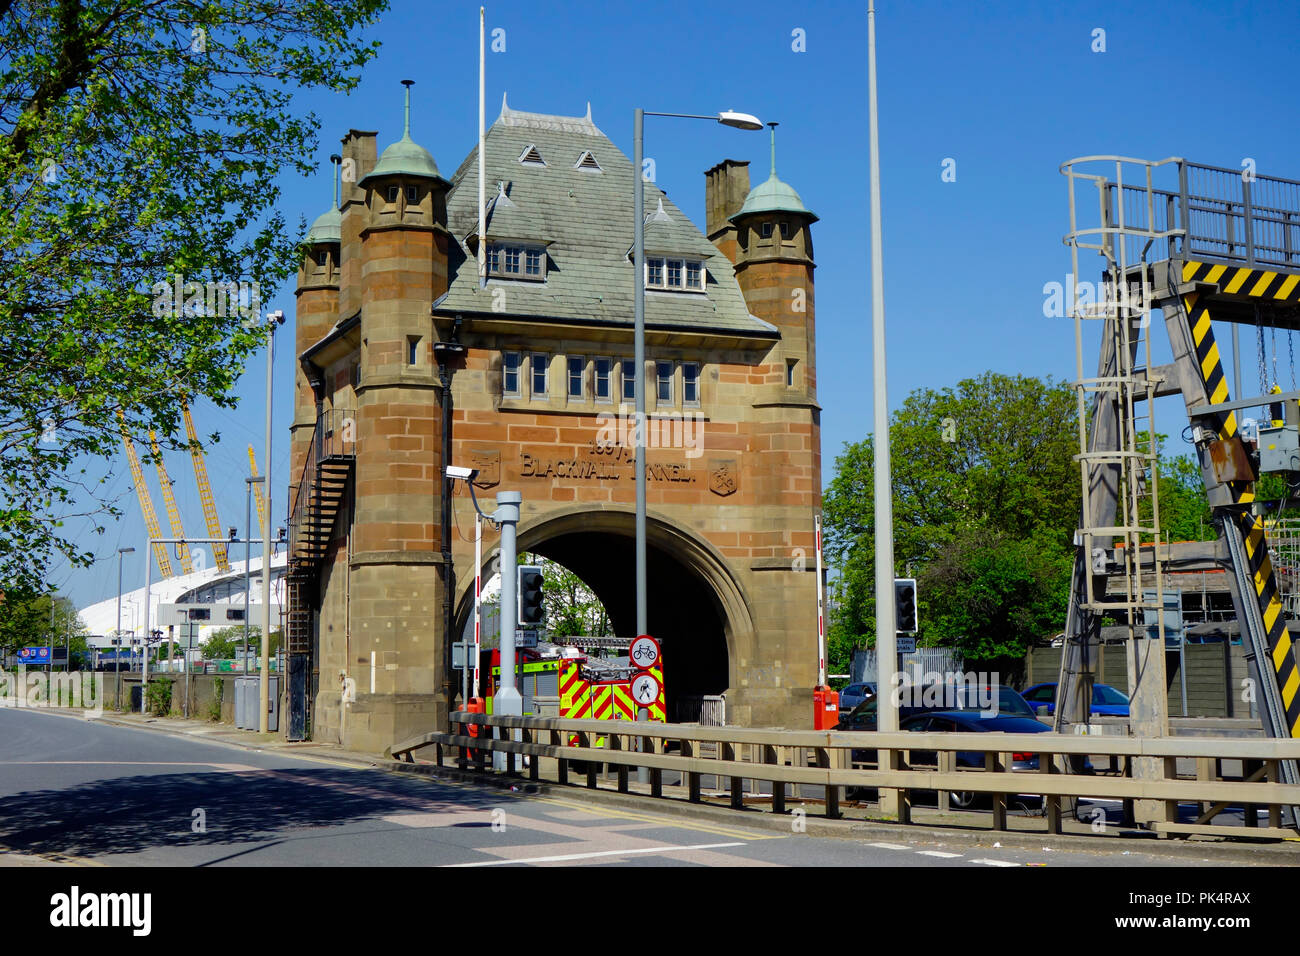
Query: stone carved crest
point(724, 478)
point(488, 464)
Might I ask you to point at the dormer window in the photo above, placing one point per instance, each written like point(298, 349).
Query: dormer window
point(674, 275)
point(412, 194)
point(511, 260)
point(785, 230)
point(393, 192)
point(531, 157)
point(587, 161)
point(765, 230)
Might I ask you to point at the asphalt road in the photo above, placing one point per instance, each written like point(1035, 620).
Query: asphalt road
point(79, 791)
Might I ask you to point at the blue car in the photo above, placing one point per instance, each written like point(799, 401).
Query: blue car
point(854, 694)
point(1106, 700)
point(973, 722)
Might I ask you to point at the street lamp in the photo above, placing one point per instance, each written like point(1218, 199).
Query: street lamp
point(117, 652)
point(273, 319)
point(248, 544)
point(726, 118)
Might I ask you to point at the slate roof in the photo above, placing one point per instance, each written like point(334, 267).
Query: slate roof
point(586, 218)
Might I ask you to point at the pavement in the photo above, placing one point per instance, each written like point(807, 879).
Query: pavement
point(265, 801)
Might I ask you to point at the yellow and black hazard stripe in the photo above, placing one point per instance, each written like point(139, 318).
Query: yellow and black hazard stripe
point(1216, 383)
point(1264, 581)
point(1280, 647)
point(1245, 281)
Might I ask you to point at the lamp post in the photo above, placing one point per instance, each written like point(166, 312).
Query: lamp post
point(886, 636)
point(117, 653)
point(273, 319)
point(248, 545)
point(726, 118)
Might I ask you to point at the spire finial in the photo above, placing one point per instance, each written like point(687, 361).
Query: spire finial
point(335, 158)
point(773, 126)
point(408, 84)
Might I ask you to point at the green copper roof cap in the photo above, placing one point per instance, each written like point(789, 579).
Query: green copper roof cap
point(406, 157)
point(329, 227)
point(773, 195)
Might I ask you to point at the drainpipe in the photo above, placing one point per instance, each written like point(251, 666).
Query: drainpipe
point(446, 354)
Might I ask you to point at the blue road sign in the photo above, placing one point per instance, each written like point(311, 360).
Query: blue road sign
point(33, 655)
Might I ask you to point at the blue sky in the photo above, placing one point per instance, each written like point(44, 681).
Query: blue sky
point(1007, 90)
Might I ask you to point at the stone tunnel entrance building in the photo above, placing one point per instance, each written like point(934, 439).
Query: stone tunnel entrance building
point(409, 361)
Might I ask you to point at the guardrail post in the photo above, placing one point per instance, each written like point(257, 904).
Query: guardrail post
point(1051, 802)
point(772, 755)
point(503, 734)
point(993, 763)
point(437, 752)
point(534, 760)
point(562, 773)
point(889, 759)
point(1274, 809)
point(616, 743)
point(1249, 810)
point(692, 777)
point(462, 754)
point(947, 764)
point(832, 791)
point(584, 741)
point(737, 785)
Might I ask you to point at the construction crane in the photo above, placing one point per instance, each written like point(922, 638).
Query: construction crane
point(146, 504)
point(169, 499)
point(257, 491)
point(205, 491)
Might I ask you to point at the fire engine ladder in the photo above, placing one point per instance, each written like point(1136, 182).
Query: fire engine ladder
point(1226, 247)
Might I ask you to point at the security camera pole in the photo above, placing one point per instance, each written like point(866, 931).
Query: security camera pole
point(273, 319)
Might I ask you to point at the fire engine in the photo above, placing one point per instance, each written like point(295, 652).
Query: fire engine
point(572, 678)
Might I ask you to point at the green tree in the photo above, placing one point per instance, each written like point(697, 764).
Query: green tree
point(26, 623)
point(139, 148)
point(226, 642)
point(992, 594)
point(992, 456)
point(572, 608)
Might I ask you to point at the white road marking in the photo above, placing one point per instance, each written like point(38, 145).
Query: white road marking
point(666, 848)
point(890, 846)
point(939, 853)
point(995, 862)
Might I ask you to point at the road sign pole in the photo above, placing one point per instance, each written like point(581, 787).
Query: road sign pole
point(478, 596)
point(507, 701)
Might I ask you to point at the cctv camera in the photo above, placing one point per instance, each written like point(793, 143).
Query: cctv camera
point(462, 473)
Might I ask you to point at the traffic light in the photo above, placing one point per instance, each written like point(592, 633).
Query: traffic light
point(905, 604)
point(530, 596)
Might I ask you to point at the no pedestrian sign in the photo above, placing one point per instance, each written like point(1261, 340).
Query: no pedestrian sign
point(645, 689)
point(644, 652)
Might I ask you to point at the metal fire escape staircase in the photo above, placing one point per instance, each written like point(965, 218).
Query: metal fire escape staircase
point(315, 503)
point(1201, 244)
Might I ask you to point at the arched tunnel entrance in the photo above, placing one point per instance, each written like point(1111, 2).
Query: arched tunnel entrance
point(696, 608)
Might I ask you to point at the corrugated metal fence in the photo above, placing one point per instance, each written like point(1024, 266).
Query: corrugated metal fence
point(942, 660)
